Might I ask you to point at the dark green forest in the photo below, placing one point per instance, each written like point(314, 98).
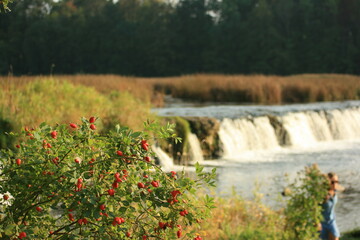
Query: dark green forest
point(163, 38)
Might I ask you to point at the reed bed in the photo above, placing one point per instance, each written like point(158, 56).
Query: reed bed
point(254, 89)
point(261, 89)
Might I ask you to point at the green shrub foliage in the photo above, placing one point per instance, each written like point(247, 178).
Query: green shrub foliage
point(303, 210)
point(69, 182)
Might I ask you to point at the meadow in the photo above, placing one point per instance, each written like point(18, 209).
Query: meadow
point(241, 89)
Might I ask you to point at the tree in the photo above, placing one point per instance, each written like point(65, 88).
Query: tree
point(189, 35)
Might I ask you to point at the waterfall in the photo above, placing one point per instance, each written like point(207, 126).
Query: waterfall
point(165, 161)
point(345, 124)
point(195, 152)
point(299, 129)
point(255, 128)
point(239, 135)
point(302, 129)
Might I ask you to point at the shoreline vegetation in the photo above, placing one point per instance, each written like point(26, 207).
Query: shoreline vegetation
point(236, 218)
point(254, 89)
point(66, 98)
point(30, 100)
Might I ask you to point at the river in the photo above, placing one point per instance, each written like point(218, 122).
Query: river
point(327, 134)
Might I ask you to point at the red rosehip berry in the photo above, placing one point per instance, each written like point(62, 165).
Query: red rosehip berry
point(55, 160)
point(162, 225)
point(93, 127)
point(80, 180)
point(178, 233)
point(184, 212)
point(175, 193)
point(140, 185)
point(17, 145)
point(155, 183)
point(92, 119)
point(144, 145)
point(22, 235)
point(102, 207)
point(111, 192)
point(147, 158)
point(120, 153)
point(71, 217)
point(115, 184)
point(39, 209)
point(117, 221)
point(128, 234)
point(18, 161)
point(73, 125)
point(53, 134)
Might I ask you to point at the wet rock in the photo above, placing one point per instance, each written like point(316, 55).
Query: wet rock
point(206, 129)
point(281, 133)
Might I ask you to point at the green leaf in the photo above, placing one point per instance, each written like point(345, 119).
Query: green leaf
point(135, 134)
point(9, 230)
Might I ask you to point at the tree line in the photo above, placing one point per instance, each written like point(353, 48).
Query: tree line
point(164, 38)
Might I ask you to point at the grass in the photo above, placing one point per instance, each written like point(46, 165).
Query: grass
point(262, 89)
point(258, 89)
point(26, 102)
point(237, 219)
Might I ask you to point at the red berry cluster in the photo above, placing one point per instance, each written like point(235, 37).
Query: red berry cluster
point(118, 221)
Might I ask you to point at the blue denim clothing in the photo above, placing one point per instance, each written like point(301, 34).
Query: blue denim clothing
point(329, 223)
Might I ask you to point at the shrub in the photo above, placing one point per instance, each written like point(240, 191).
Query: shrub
point(303, 210)
point(69, 182)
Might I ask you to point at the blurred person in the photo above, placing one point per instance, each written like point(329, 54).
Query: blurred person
point(329, 228)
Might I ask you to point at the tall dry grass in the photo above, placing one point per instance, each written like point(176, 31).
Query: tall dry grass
point(256, 89)
point(28, 101)
point(235, 218)
point(261, 89)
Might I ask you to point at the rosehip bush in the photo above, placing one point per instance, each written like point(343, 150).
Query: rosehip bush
point(70, 182)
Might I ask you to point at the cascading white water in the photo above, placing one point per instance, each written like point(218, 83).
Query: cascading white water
point(246, 134)
point(299, 129)
point(303, 129)
point(319, 125)
point(195, 152)
point(166, 162)
point(345, 124)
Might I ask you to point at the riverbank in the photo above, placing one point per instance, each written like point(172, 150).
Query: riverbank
point(236, 218)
